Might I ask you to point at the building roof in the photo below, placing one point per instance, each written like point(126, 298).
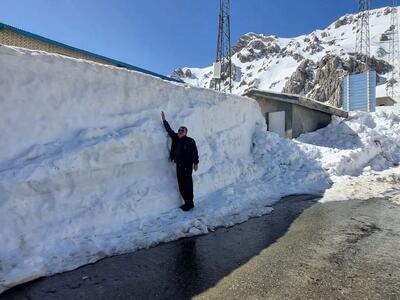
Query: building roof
point(385, 100)
point(103, 58)
point(299, 100)
point(386, 97)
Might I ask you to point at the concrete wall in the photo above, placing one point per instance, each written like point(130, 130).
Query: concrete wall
point(270, 105)
point(11, 38)
point(299, 119)
point(307, 120)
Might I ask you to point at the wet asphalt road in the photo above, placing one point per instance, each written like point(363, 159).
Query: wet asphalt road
point(176, 270)
point(302, 250)
point(338, 250)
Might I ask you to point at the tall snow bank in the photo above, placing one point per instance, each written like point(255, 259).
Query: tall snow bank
point(84, 170)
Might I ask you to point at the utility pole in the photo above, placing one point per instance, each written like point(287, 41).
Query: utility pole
point(363, 46)
point(393, 52)
point(223, 66)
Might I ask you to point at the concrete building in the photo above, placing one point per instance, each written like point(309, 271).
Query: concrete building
point(291, 115)
point(11, 36)
point(385, 101)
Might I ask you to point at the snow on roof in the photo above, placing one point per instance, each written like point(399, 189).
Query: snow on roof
point(299, 100)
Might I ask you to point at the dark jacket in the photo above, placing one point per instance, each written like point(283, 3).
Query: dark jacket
point(184, 150)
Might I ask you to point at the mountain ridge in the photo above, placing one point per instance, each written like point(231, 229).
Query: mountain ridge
point(310, 65)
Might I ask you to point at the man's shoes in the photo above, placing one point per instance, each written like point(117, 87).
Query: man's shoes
point(187, 207)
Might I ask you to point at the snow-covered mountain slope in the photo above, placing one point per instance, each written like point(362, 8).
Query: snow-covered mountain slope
point(310, 65)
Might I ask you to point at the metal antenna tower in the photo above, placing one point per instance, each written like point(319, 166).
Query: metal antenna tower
point(363, 36)
point(223, 65)
point(393, 51)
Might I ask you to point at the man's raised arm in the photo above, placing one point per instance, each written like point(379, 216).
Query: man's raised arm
point(168, 128)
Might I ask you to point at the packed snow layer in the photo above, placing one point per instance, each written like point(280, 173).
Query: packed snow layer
point(84, 169)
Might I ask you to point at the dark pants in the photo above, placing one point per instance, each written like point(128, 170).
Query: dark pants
point(185, 182)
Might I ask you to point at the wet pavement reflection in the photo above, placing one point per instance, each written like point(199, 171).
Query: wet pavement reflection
point(176, 270)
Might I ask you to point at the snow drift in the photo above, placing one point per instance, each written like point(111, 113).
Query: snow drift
point(84, 170)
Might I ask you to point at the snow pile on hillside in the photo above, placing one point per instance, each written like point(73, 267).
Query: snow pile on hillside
point(84, 169)
point(296, 65)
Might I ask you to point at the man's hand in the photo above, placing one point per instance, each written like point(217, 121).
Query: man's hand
point(195, 167)
point(162, 116)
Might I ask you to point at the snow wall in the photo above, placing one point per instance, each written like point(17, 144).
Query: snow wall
point(84, 169)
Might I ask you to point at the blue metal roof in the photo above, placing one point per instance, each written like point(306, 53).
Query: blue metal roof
point(106, 59)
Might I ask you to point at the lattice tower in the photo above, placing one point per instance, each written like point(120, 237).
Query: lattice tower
point(224, 56)
point(363, 41)
point(394, 58)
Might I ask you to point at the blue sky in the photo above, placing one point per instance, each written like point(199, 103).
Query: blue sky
point(161, 35)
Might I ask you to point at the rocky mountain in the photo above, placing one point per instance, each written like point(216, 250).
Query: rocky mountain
point(311, 65)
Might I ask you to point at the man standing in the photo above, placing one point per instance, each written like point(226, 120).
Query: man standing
point(184, 154)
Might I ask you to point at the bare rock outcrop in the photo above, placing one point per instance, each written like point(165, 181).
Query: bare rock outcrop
point(301, 81)
point(343, 21)
point(322, 81)
point(258, 50)
point(253, 41)
point(180, 73)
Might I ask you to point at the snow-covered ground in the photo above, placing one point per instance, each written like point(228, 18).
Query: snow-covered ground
point(380, 177)
point(370, 184)
point(84, 170)
point(361, 155)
